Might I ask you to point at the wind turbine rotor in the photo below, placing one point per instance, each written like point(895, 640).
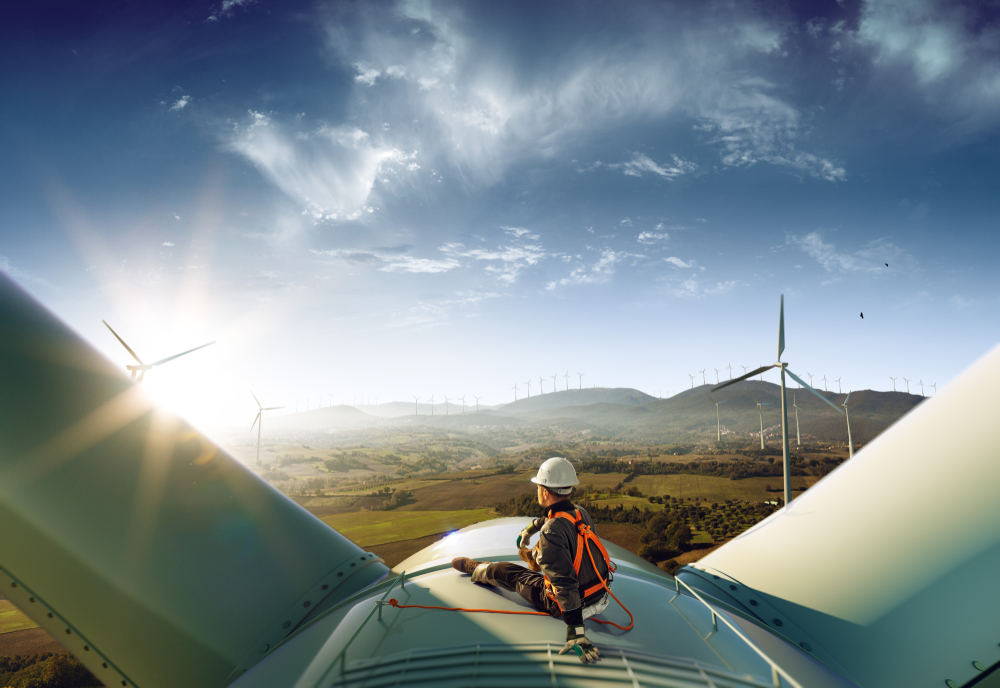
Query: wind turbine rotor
point(127, 347)
point(183, 353)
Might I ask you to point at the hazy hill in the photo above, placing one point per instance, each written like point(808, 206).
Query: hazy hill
point(398, 409)
point(574, 397)
point(329, 418)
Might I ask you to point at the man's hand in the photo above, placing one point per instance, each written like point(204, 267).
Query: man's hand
point(524, 537)
point(578, 643)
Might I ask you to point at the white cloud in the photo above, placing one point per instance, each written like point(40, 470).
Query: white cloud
point(167, 243)
point(693, 288)
point(388, 259)
point(19, 274)
point(506, 263)
point(411, 264)
point(598, 273)
point(181, 103)
point(366, 75)
point(652, 237)
point(641, 164)
point(870, 259)
point(330, 170)
point(673, 260)
point(226, 9)
point(176, 216)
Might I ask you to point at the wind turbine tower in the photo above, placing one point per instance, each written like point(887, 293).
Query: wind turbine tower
point(581, 380)
point(702, 371)
point(718, 423)
point(850, 442)
point(416, 409)
point(529, 388)
point(555, 381)
point(934, 387)
point(921, 388)
point(825, 389)
point(463, 404)
point(515, 394)
point(692, 380)
point(541, 385)
point(477, 403)
point(907, 385)
point(260, 413)
point(432, 404)
point(798, 435)
point(446, 404)
point(893, 383)
point(717, 375)
point(760, 412)
point(566, 377)
point(730, 366)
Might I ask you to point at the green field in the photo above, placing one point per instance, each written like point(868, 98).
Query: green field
point(368, 528)
point(12, 619)
point(712, 489)
point(598, 480)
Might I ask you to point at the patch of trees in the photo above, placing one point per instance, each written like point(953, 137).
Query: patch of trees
point(45, 670)
point(389, 498)
point(734, 470)
point(667, 535)
point(342, 464)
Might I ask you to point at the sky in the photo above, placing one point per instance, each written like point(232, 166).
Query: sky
point(364, 201)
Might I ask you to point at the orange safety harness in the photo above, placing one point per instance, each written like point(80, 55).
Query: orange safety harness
point(585, 535)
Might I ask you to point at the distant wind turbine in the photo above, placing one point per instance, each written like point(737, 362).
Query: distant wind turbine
point(143, 367)
point(934, 387)
point(839, 390)
point(555, 381)
point(416, 409)
point(717, 375)
point(762, 377)
point(921, 388)
point(446, 404)
point(432, 404)
point(260, 413)
point(810, 376)
point(581, 380)
point(730, 366)
point(463, 404)
point(529, 388)
point(744, 369)
point(477, 404)
point(566, 377)
point(702, 371)
point(718, 424)
point(824, 384)
point(692, 380)
point(893, 383)
point(515, 391)
point(760, 412)
point(541, 385)
point(784, 414)
point(907, 385)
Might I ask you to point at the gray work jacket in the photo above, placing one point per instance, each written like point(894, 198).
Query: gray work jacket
point(556, 551)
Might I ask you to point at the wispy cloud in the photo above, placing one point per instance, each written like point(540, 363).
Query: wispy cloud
point(652, 237)
point(870, 258)
point(505, 263)
point(330, 170)
point(21, 274)
point(641, 165)
point(226, 9)
point(677, 262)
point(388, 259)
point(599, 272)
point(692, 287)
point(167, 243)
point(181, 103)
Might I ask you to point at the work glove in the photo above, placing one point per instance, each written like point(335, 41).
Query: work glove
point(525, 535)
point(578, 643)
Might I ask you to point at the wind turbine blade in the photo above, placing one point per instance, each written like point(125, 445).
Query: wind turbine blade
point(272, 408)
point(781, 327)
point(827, 401)
point(255, 421)
point(848, 398)
point(182, 354)
point(255, 399)
point(754, 399)
point(127, 348)
point(741, 378)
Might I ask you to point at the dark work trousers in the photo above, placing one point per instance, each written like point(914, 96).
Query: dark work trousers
point(516, 578)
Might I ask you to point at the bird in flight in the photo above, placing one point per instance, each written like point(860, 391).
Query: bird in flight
point(887, 265)
point(862, 315)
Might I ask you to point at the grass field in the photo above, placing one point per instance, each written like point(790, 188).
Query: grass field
point(368, 528)
point(12, 619)
point(712, 489)
point(448, 495)
point(600, 480)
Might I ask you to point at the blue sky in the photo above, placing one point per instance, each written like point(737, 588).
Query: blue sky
point(396, 199)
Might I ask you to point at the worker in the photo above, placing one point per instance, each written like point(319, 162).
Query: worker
point(555, 586)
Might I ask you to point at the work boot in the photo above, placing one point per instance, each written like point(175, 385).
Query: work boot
point(465, 565)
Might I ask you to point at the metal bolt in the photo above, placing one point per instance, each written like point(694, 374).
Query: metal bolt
point(286, 624)
point(265, 648)
point(753, 603)
point(325, 586)
point(732, 587)
point(806, 646)
point(306, 603)
point(778, 622)
point(950, 683)
point(68, 632)
point(979, 666)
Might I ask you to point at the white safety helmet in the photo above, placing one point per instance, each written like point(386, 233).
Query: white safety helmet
point(557, 475)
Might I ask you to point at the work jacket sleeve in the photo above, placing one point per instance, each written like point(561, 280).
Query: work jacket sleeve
point(555, 557)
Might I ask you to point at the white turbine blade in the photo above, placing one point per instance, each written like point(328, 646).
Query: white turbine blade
point(255, 399)
point(848, 398)
point(183, 353)
point(127, 348)
point(255, 421)
point(781, 327)
point(827, 401)
point(742, 377)
point(273, 408)
point(723, 402)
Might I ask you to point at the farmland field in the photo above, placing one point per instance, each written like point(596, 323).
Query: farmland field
point(368, 528)
point(461, 494)
point(712, 489)
point(12, 619)
point(600, 480)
